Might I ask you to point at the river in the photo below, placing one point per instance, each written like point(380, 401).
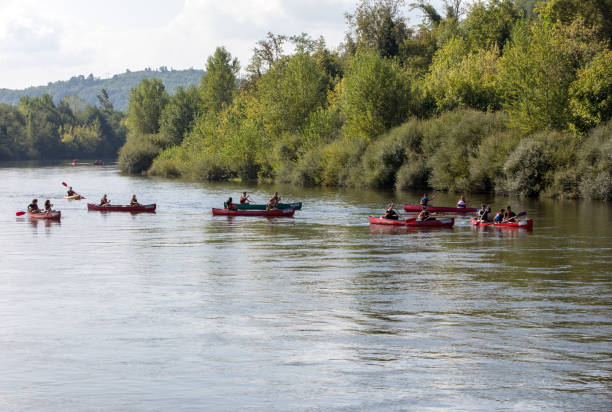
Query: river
point(180, 310)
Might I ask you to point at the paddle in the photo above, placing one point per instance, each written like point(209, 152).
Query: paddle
point(20, 213)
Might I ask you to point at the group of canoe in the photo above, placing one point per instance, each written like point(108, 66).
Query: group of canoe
point(273, 207)
point(48, 213)
point(504, 218)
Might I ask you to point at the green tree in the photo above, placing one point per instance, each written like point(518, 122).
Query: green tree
point(146, 103)
point(219, 84)
point(491, 23)
point(375, 96)
point(591, 93)
point(378, 25)
point(179, 114)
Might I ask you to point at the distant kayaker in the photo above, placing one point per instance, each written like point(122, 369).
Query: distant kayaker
point(104, 201)
point(48, 206)
point(71, 192)
point(134, 201)
point(390, 213)
point(461, 203)
point(245, 199)
point(509, 215)
point(424, 200)
point(273, 201)
point(499, 217)
point(424, 215)
point(33, 207)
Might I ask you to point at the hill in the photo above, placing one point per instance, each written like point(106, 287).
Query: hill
point(118, 87)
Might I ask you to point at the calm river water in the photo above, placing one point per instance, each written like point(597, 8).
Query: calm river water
point(180, 310)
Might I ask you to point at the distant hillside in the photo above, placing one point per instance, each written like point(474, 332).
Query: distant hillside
point(117, 87)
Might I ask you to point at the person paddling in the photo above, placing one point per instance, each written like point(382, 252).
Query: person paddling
point(245, 199)
point(71, 192)
point(33, 207)
point(134, 201)
point(273, 201)
point(461, 203)
point(390, 213)
point(229, 204)
point(104, 201)
point(48, 206)
point(483, 213)
point(509, 215)
point(499, 217)
point(424, 200)
point(424, 215)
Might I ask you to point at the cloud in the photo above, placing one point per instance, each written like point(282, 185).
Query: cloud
point(49, 40)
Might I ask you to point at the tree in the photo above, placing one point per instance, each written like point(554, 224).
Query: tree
point(591, 93)
point(179, 115)
point(492, 23)
point(378, 25)
point(376, 95)
point(219, 85)
point(146, 103)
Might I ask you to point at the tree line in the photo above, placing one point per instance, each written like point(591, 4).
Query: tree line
point(37, 128)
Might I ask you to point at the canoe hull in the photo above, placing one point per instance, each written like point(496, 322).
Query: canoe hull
point(74, 197)
point(55, 215)
point(434, 209)
point(525, 224)
point(254, 206)
point(123, 208)
point(446, 222)
point(268, 213)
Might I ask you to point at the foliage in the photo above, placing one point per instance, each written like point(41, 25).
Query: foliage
point(219, 84)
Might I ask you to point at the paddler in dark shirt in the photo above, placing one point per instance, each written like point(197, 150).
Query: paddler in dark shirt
point(390, 213)
point(509, 215)
point(48, 206)
point(71, 192)
point(33, 207)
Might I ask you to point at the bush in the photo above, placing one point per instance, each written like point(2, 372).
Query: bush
point(414, 173)
point(526, 168)
point(137, 155)
point(595, 163)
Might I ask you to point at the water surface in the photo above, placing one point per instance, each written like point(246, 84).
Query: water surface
point(180, 310)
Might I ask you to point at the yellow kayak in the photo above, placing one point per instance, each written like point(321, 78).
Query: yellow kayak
point(74, 197)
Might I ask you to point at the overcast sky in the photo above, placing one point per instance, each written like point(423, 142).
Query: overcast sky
point(47, 40)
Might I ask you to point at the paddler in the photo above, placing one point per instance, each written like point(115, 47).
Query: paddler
point(229, 204)
point(245, 199)
point(33, 207)
point(499, 217)
point(461, 203)
point(509, 215)
point(134, 201)
point(424, 200)
point(273, 201)
point(390, 213)
point(424, 215)
point(48, 206)
point(71, 192)
point(104, 201)
point(483, 213)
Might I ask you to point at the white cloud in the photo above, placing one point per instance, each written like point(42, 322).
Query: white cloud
point(48, 40)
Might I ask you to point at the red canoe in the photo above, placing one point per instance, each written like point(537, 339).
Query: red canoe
point(433, 209)
point(271, 213)
point(122, 208)
point(55, 215)
point(446, 222)
point(526, 224)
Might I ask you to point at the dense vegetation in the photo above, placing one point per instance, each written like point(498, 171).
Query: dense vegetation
point(37, 128)
point(117, 87)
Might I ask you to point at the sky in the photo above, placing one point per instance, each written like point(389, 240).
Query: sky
point(43, 41)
